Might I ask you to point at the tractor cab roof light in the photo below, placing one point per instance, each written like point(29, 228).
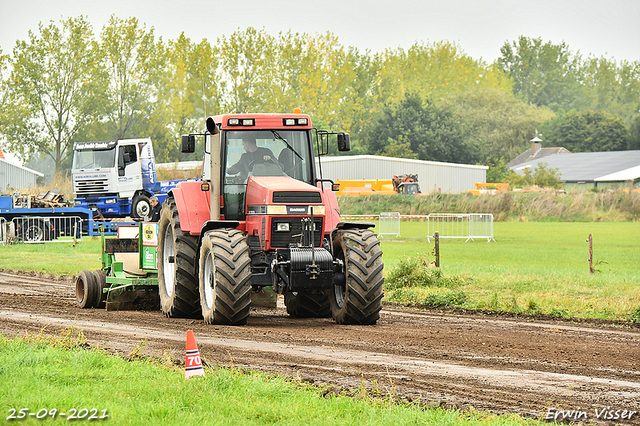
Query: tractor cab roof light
point(303, 121)
point(241, 122)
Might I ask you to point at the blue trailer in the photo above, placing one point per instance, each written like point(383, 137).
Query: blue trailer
point(29, 221)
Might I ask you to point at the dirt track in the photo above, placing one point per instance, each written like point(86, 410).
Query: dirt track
point(487, 363)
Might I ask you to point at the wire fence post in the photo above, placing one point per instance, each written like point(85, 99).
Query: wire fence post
point(437, 238)
point(590, 241)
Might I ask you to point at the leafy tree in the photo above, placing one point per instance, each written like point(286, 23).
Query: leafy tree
point(496, 121)
point(498, 171)
point(542, 73)
point(400, 148)
point(52, 90)
point(433, 133)
point(188, 92)
point(612, 87)
point(634, 134)
point(129, 56)
point(541, 176)
point(589, 131)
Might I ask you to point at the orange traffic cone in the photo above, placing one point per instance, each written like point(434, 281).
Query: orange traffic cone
point(192, 363)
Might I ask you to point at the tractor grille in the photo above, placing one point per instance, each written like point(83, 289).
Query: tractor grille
point(283, 239)
point(94, 186)
point(303, 197)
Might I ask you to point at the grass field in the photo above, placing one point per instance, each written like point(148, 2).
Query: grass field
point(45, 374)
point(532, 267)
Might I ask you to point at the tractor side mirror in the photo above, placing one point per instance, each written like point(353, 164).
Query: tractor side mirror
point(188, 144)
point(344, 142)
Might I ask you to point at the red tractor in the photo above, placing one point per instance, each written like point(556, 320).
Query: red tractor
point(262, 217)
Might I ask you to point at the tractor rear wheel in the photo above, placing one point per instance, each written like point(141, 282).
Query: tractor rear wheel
point(86, 290)
point(307, 305)
point(357, 299)
point(225, 277)
point(177, 280)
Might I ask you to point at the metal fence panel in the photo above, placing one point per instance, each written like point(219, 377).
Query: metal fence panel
point(48, 229)
point(3, 231)
point(460, 225)
point(389, 224)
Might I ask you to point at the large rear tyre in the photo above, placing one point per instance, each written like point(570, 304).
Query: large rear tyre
point(140, 206)
point(307, 305)
point(357, 299)
point(177, 280)
point(225, 277)
point(86, 290)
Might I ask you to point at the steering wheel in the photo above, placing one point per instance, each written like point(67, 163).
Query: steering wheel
point(261, 160)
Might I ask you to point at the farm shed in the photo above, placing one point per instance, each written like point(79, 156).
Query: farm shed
point(592, 169)
point(13, 176)
point(433, 176)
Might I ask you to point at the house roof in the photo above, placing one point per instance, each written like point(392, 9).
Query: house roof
point(530, 155)
point(612, 166)
point(21, 167)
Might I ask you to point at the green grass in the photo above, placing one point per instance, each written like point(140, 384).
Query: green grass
point(58, 373)
point(532, 268)
point(59, 258)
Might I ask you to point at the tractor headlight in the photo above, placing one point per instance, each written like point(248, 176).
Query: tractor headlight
point(282, 227)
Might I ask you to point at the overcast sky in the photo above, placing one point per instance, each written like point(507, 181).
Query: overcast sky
point(608, 28)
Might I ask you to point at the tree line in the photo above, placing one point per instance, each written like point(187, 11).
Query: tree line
point(66, 83)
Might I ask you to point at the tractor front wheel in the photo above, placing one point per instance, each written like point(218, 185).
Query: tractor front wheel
point(225, 277)
point(177, 280)
point(357, 297)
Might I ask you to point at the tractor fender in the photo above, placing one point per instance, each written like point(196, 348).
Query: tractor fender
point(193, 206)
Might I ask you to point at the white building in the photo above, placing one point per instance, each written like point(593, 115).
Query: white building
point(14, 177)
point(433, 176)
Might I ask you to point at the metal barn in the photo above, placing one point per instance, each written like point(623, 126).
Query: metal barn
point(433, 176)
point(16, 177)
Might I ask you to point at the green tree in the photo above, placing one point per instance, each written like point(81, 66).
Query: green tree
point(634, 133)
point(588, 131)
point(542, 73)
point(496, 121)
point(612, 87)
point(541, 176)
point(188, 92)
point(51, 93)
point(432, 132)
point(400, 148)
point(130, 58)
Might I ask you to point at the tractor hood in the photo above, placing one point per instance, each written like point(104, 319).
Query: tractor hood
point(269, 190)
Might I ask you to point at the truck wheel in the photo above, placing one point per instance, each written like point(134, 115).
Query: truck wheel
point(357, 298)
point(33, 231)
point(177, 280)
point(140, 207)
point(101, 283)
point(307, 305)
point(86, 290)
point(225, 277)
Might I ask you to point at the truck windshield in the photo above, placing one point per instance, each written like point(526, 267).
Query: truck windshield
point(262, 153)
point(94, 158)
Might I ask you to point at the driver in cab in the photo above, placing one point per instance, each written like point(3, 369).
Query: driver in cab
point(253, 154)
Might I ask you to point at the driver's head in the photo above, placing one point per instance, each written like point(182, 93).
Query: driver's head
point(249, 143)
